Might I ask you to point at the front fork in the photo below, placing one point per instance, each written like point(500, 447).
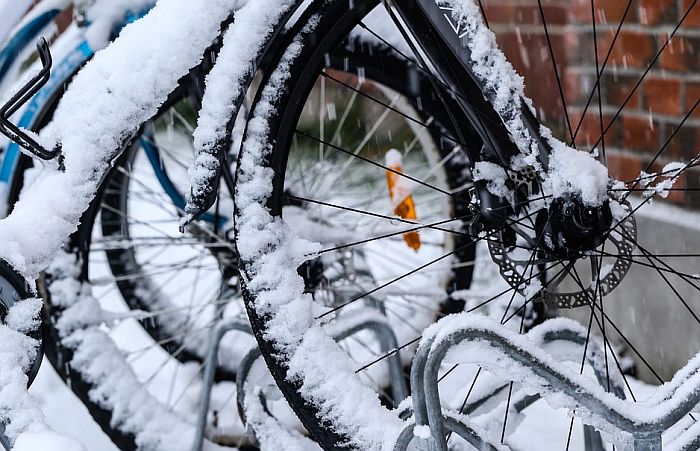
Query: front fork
point(440, 42)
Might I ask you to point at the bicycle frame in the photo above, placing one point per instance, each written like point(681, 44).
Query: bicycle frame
point(73, 50)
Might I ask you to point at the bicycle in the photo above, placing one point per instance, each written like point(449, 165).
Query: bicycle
point(122, 256)
point(259, 235)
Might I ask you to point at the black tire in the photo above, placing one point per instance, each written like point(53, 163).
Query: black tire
point(333, 20)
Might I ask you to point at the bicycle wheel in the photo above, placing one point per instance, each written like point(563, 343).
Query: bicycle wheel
point(564, 267)
point(325, 198)
point(177, 286)
point(20, 320)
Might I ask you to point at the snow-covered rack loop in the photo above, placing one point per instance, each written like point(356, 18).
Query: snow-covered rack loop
point(520, 359)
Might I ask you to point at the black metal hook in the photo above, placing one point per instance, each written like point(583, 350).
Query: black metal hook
point(21, 97)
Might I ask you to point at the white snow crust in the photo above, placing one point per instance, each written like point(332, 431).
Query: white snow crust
point(124, 85)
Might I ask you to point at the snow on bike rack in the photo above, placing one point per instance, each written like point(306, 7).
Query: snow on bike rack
point(520, 359)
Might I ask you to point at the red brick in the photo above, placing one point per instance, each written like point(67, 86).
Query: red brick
point(631, 49)
point(692, 95)
point(682, 142)
point(529, 54)
point(674, 56)
point(617, 88)
point(638, 134)
point(654, 12)
point(572, 88)
point(607, 11)
point(662, 96)
point(590, 130)
point(500, 12)
point(693, 19)
point(623, 167)
point(64, 19)
point(510, 13)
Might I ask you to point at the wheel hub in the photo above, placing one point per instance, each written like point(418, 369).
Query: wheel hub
point(569, 229)
point(566, 232)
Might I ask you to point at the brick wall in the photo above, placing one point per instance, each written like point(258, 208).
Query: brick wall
point(654, 110)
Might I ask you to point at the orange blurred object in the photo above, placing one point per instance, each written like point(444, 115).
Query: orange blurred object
point(400, 195)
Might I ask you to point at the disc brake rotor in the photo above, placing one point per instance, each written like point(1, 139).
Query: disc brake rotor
point(513, 263)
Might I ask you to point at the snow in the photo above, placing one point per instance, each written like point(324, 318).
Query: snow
point(132, 78)
point(19, 411)
point(271, 252)
point(570, 172)
point(495, 176)
point(243, 42)
point(670, 174)
point(24, 316)
point(422, 431)
point(272, 435)
point(665, 404)
point(51, 208)
point(45, 441)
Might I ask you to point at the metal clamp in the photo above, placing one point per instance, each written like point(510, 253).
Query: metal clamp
point(21, 97)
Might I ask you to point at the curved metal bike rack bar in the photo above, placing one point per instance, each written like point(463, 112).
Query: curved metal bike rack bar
point(645, 427)
point(376, 323)
point(216, 334)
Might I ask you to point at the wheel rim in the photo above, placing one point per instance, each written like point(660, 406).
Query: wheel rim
point(595, 275)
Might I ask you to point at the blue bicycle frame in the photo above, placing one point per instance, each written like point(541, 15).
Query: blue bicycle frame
point(67, 66)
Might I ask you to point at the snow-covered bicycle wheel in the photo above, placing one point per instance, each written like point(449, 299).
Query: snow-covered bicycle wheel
point(175, 286)
point(381, 188)
point(293, 183)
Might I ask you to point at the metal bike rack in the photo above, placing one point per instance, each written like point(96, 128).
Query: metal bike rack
point(4, 442)
point(364, 320)
point(681, 395)
point(216, 333)
point(22, 96)
point(347, 328)
point(375, 321)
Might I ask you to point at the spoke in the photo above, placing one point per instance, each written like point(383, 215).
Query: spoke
point(434, 80)
point(668, 283)
point(483, 14)
point(546, 285)
point(392, 108)
point(694, 162)
point(583, 365)
point(571, 428)
point(668, 141)
point(384, 167)
point(523, 275)
point(440, 258)
point(388, 354)
point(594, 305)
point(599, 294)
point(505, 420)
point(648, 265)
point(389, 235)
point(604, 315)
point(403, 276)
point(598, 75)
point(344, 116)
point(556, 71)
point(645, 73)
point(376, 215)
point(508, 290)
point(647, 189)
point(602, 68)
point(414, 340)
